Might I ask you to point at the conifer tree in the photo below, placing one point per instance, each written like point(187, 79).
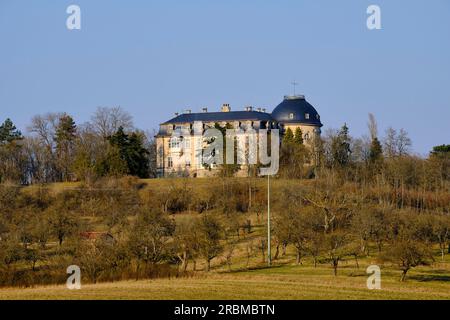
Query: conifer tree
point(298, 138)
point(288, 136)
point(65, 142)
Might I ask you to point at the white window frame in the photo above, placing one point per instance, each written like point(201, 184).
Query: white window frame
point(174, 142)
point(187, 143)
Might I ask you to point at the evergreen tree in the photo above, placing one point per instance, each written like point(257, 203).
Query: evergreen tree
point(298, 139)
point(341, 147)
point(111, 163)
point(288, 136)
point(376, 151)
point(137, 159)
point(65, 141)
point(9, 132)
point(132, 151)
point(12, 158)
point(441, 150)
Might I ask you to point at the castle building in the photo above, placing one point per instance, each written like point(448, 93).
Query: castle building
point(180, 139)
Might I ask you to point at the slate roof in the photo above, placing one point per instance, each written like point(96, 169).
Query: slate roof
point(221, 116)
point(299, 107)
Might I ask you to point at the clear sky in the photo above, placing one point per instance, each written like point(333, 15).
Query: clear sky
point(155, 58)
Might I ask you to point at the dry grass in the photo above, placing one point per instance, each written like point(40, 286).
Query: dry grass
point(279, 282)
point(283, 281)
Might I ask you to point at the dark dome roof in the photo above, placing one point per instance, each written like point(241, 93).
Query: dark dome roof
point(294, 109)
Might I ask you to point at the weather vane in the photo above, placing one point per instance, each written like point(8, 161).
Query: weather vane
point(294, 84)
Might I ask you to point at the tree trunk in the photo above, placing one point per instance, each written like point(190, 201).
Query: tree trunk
point(299, 256)
point(335, 266)
point(277, 251)
point(285, 245)
point(184, 261)
point(138, 269)
point(403, 275)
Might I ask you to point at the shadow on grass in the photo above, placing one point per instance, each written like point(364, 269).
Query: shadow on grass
point(255, 268)
point(432, 277)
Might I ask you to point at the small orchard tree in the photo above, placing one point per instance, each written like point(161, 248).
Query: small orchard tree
point(407, 254)
point(150, 236)
point(185, 242)
point(210, 234)
point(440, 230)
point(62, 223)
point(335, 246)
point(10, 252)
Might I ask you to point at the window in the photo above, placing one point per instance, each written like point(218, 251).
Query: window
point(306, 136)
point(317, 116)
point(174, 143)
point(306, 116)
point(169, 162)
point(187, 143)
point(291, 116)
point(188, 162)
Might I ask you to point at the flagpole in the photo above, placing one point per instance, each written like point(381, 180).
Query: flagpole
point(269, 256)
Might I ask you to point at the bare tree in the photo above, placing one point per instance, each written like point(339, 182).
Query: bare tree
point(335, 244)
point(396, 144)
point(407, 254)
point(403, 143)
point(107, 121)
point(45, 126)
point(43, 149)
point(389, 143)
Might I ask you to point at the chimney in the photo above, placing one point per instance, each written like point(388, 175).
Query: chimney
point(187, 111)
point(225, 107)
point(264, 110)
point(205, 110)
point(176, 114)
point(248, 108)
point(259, 109)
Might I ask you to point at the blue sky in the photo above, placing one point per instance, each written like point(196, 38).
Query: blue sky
point(155, 58)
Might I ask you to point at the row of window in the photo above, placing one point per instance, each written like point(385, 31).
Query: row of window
point(291, 116)
point(175, 142)
point(170, 162)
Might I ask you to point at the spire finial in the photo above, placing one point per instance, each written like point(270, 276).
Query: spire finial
point(294, 84)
